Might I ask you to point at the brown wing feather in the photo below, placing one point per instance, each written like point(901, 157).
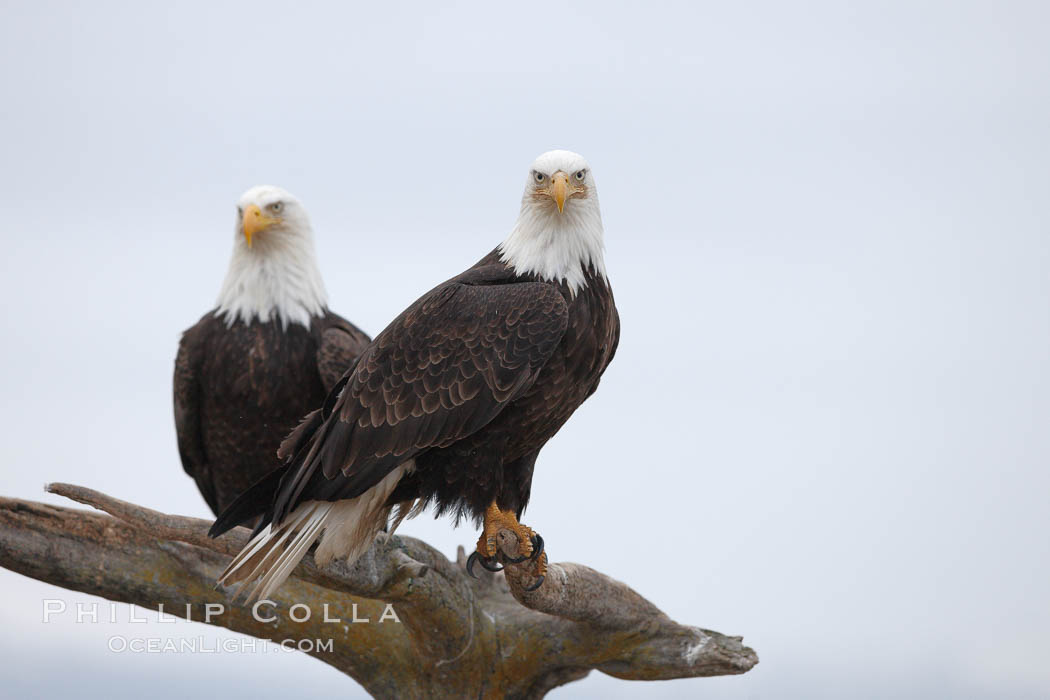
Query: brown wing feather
point(441, 371)
point(339, 346)
point(187, 398)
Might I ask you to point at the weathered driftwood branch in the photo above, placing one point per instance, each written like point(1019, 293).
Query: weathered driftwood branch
point(456, 637)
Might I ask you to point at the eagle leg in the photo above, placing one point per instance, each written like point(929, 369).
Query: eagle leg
point(530, 544)
point(497, 520)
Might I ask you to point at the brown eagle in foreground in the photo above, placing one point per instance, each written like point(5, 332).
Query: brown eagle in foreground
point(452, 402)
point(269, 353)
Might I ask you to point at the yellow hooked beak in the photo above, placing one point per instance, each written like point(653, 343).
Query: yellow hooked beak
point(559, 189)
point(254, 221)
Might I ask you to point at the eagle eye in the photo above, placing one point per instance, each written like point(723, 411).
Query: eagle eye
point(580, 174)
point(540, 177)
point(276, 207)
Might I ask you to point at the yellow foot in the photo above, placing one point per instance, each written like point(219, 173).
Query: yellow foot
point(496, 520)
point(530, 545)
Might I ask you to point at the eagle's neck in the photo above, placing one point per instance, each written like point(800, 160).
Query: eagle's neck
point(276, 279)
point(557, 247)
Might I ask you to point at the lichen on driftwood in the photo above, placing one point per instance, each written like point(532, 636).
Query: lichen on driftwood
point(456, 636)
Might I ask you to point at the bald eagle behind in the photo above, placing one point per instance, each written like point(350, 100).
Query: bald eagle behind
point(451, 404)
point(249, 369)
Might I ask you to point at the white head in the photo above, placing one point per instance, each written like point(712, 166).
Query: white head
point(273, 272)
point(559, 230)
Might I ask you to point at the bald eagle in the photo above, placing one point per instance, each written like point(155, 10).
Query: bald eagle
point(250, 368)
point(451, 404)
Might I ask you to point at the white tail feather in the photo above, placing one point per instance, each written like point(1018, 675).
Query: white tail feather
point(346, 529)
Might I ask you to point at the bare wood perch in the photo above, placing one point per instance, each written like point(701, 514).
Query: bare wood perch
point(457, 637)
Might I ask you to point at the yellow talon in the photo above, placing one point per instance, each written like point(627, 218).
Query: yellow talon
point(496, 520)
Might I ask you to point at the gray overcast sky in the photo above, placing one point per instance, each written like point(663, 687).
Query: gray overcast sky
point(827, 230)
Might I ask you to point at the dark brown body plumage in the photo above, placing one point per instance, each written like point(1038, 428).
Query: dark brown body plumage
point(240, 389)
point(496, 462)
point(470, 381)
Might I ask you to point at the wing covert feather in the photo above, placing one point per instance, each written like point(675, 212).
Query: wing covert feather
point(187, 397)
point(441, 371)
point(444, 370)
point(341, 342)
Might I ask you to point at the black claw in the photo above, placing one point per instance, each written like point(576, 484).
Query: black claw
point(535, 585)
point(486, 564)
point(490, 564)
point(537, 547)
point(537, 550)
